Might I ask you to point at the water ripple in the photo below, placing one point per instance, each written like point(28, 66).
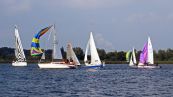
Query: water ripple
point(111, 81)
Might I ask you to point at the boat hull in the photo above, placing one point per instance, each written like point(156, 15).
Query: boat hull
point(56, 65)
point(19, 63)
point(149, 66)
point(94, 66)
point(146, 66)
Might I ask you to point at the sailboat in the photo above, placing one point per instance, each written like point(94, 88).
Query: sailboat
point(146, 57)
point(95, 59)
point(19, 53)
point(132, 61)
point(36, 50)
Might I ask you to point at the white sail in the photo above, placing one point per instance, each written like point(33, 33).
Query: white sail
point(71, 55)
point(86, 52)
point(131, 61)
point(132, 58)
point(43, 56)
point(95, 60)
point(19, 53)
point(150, 58)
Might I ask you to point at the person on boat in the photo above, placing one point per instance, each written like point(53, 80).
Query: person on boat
point(67, 61)
point(87, 62)
point(72, 62)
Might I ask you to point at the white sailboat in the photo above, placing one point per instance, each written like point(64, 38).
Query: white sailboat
point(57, 64)
point(146, 57)
point(95, 59)
point(132, 61)
point(19, 53)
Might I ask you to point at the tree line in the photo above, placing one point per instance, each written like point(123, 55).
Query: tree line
point(7, 55)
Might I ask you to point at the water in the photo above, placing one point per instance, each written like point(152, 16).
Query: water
point(111, 81)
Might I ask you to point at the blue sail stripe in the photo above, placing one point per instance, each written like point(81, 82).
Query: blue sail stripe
point(33, 44)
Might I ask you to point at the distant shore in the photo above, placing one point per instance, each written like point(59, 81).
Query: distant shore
point(124, 62)
point(106, 62)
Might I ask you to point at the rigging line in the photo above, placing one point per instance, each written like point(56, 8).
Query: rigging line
point(47, 40)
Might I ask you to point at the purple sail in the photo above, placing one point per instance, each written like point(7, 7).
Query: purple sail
point(143, 55)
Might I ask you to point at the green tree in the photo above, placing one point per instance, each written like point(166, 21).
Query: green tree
point(111, 56)
point(162, 55)
point(121, 56)
point(79, 53)
point(169, 54)
point(102, 53)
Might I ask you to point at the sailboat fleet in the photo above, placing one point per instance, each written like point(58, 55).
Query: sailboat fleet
point(71, 60)
point(146, 59)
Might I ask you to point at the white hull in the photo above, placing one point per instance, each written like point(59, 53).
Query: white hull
point(19, 63)
point(95, 65)
point(146, 66)
point(133, 66)
point(55, 65)
point(149, 66)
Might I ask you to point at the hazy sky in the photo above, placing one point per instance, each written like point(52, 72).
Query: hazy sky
point(116, 24)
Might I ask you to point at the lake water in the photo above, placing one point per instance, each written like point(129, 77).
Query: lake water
point(111, 81)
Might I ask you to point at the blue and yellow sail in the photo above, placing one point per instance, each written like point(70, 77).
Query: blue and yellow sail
point(35, 46)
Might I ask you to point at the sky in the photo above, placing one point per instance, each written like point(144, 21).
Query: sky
point(116, 24)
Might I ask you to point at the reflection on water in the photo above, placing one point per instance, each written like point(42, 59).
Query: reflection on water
point(112, 80)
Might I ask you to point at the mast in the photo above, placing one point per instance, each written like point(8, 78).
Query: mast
point(55, 43)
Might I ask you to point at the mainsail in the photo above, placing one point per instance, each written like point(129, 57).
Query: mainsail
point(35, 46)
point(150, 59)
point(86, 52)
point(71, 55)
point(143, 55)
point(132, 58)
point(19, 53)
